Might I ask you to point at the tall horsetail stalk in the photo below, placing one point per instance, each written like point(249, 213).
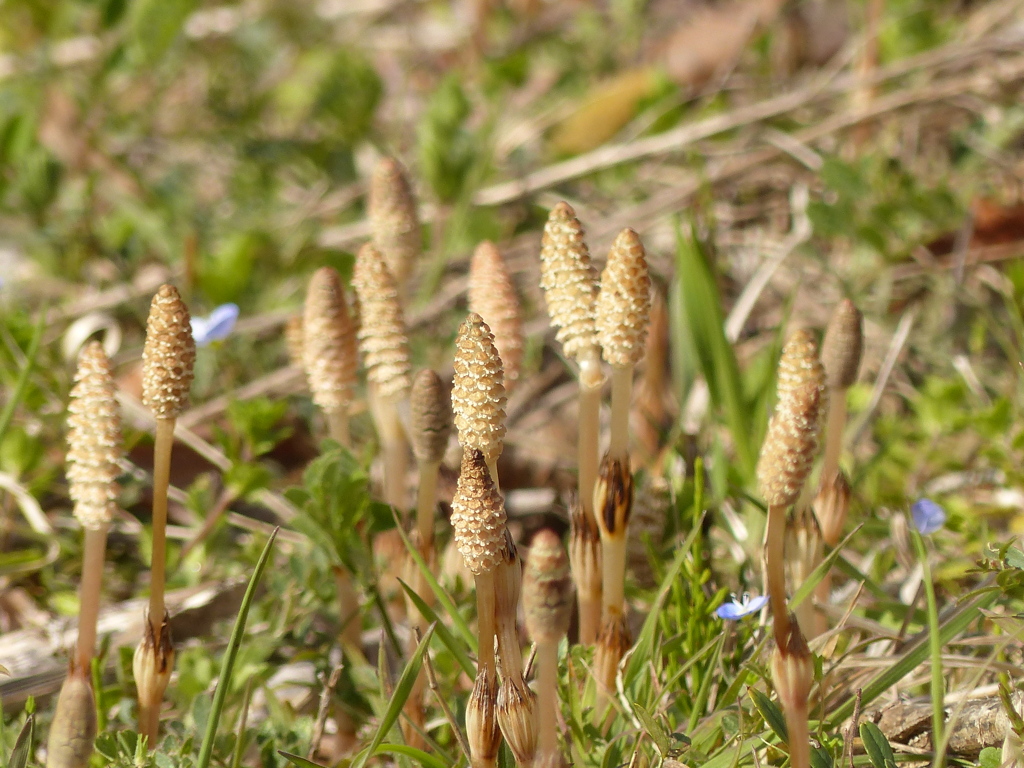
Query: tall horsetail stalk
point(329, 353)
point(478, 521)
point(430, 422)
point(787, 456)
point(547, 606)
point(570, 288)
point(95, 449)
point(385, 349)
point(493, 297)
point(168, 358)
point(623, 315)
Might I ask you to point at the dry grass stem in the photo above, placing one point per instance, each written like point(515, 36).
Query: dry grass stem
point(329, 353)
point(493, 297)
point(394, 222)
point(622, 313)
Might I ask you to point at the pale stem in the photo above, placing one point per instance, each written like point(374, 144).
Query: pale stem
point(547, 702)
point(492, 470)
point(589, 616)
point(163, 442)
point(613, 556)
point(799, 737)
point(485, 610)
point(89, 595)
point(348, 608)
point(589, 447)
point(426, 503)
point(622, 393)
point(392, 439)
point(337, 426)
point(833, 436)
point(775, 575)
point(821, 596)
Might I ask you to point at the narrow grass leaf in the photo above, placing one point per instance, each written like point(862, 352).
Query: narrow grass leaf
point(916, 651)
point(811, 582)
point(30, 361)
point(453, 645)
point(417, 755)
point(704, 324)
point(459, 623)
point(398, 698)
point(876, 745)
point(771, 714)
point(230, 653)
point(296, 760)
point(654, 729)
point(23, 746)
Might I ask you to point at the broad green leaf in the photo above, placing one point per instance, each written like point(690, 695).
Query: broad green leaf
point(155, 24)
point(296, 760)
point(771, 713)
point(421, 757)
point(877, 746)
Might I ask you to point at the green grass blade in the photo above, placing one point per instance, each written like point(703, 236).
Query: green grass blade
point(394, 709)
point(453, 645)
point(915, 652)
point(23, 746)
point(418, 755)
point(30, 361)
point(815, 577)
point(227, 665)
point(771, 714)
point(703, 323)
point(298, 760)
point(459, 623)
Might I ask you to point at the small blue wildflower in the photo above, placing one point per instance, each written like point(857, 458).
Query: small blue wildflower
point(928, 516)
point(737, 609)
point(215, 326)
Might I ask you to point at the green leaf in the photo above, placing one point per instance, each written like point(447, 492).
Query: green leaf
point(31, 356)
point(701, 322)
point(990, 757)
point(23, 746)
point(877, 746)
point(227, 666)
point(821, 758)
point(955, 621)
point(457, 648)
point(296, 760)
point(658, 733)
point(771, 714)
point(1015, 558)
point(398, 699)
point(421, 757)
point(154, 25)
point(811, 582)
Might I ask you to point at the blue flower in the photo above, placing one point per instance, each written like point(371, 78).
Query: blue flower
point(215, 326)
point(737, 609)
point(928, 516)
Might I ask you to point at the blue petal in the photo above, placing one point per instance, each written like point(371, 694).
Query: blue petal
point(215, 326)
point(737, 609)
point(928, 516)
